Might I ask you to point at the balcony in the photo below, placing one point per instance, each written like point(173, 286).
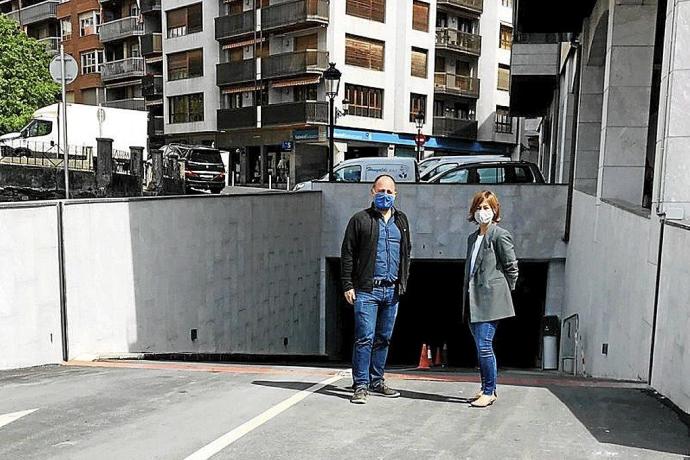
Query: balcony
point(456, 85)
point(244, 117)
point(120, 29)
point(52, 44)
point(135, 103)
point(38, 12)
point(235, 25)
point(455, 127)
point(295, 63)
point(122, 69)
point(294, 113)
point(294, 15)
point(155, 125)
point(455, 40)
point(229, 73)
point(474, 6)
point(152, 86)
point(151, 44)
point(150, 6)
point(535, 70)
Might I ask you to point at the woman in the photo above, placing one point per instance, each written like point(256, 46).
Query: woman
point(491, 272)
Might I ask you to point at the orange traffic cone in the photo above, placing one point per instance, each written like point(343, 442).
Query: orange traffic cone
point(424, 358)
point(437, 357)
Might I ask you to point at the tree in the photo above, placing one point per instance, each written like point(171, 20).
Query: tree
point(25, 82)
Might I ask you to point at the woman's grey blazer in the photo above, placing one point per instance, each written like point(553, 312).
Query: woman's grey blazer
point(487, 290)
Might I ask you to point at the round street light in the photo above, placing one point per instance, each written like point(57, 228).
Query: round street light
point(332, 77)
point(419, 120)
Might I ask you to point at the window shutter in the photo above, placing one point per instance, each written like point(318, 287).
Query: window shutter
point(418, 63)
point(365, 53)
point(307, 42)
point(194, 18)
point(504, 78)
point(378, 10)
point(374, 10)
point(177, 18)
point(420, 16)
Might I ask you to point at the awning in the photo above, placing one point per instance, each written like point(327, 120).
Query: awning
point(241, 89)
point(251, 41)
point(310, 80)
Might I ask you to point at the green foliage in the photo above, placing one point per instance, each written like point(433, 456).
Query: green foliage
point(25, 82)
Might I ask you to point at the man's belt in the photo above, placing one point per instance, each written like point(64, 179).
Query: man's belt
point(384, 283)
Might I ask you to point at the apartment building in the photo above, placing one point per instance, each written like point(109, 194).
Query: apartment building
point(38, 19)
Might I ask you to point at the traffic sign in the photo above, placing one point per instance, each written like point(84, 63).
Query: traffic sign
point(420, 139)
point(71, 69)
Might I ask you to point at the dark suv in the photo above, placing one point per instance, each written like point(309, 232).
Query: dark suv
point(203, 166)
point(491, 172)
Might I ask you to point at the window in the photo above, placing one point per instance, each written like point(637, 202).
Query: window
point(487, 176)
point(88, 23)
point(187, 108)
point(503, 77)
point(505, 39)
point(441, 19)
point(522, 174)
point(420, 16)
point(374, 10)
point(364, 101)
point(66, 29)
point(38, 128)
point(455, 177)
point(305, 93)
point(184, 21)
point(91, 61)
point(188, 64)
point(507, 3)
point(348, 174)
point(504, 122)
point(364, 52)
point(418, 66)
point(417, 104)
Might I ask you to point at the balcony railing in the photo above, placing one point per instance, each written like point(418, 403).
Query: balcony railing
point(52, 44)
point(155, 126)
point(229, 73)
point(152, 44)
point(476, 6)
point(124, 68)
point(455, 127)
point(294, 14)
point(150, 6)
point(36, 13)
point(459, 41)
point(244, 117)
point(135, 103)
point(235, 25)
point(152, 86)
point(14, 15)
point(120, 29)
point(294, 63)
point(458, 85)
point(294, 113)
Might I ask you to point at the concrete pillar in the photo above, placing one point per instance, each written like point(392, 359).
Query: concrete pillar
point(627, 90)
point(104, 163)
point(263, 165)
point(136, 158)
point(157, 166)
point(244, 167)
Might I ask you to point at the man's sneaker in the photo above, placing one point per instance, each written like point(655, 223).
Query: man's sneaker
point(360, 396)
point(384, 390)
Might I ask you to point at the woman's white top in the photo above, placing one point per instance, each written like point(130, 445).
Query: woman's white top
point(475, 251)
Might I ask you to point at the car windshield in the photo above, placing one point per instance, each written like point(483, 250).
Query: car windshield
point(426, 164)
point(205, 156)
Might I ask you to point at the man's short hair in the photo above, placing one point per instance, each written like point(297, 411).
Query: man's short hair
point(380, 176)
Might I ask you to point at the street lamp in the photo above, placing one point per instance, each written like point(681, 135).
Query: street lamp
point(332, 77)
point(419, 123)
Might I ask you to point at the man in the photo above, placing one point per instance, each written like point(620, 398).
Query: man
point(375, 264)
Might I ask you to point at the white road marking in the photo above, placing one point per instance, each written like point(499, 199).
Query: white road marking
point(228, 438)
point(9, 418)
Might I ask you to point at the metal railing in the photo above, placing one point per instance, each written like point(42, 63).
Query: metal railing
point(228, 73)
point(52, 44)
point(152, 44)
point(37, 12)
point(134, 103)
point(234, 25)
point(149, 6)
point(455, 127)
point(152, 85)
point(45, 155)
point(14, 15)
point(120, 28)
point(294, 113)
point(124, 68)
point(293, 13)
point(458, 85)
point(474, 5)
point(122, 161)
point(244, 117)
point(460, 41)
point(294, 63)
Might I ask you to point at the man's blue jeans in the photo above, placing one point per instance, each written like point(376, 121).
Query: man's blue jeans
point(375, 314)
point(483, 334)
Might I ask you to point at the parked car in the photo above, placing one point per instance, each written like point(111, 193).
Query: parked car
point(437, 165)
point(203, 166)
point(491, 172)
point(368, 169)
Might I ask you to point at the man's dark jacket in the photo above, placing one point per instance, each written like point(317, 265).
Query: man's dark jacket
point(358, 253)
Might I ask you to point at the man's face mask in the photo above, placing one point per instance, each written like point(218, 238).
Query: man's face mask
point(383, 200)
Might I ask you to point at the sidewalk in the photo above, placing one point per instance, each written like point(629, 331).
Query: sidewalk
point(145, 409)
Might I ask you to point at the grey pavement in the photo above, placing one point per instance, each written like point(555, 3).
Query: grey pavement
point(147, 410)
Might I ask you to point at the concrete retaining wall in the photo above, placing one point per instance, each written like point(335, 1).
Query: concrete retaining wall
point(30, 288)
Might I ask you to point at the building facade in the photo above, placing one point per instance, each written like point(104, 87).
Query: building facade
point(38, 19)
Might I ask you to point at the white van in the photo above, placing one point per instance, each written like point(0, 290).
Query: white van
point(368, 169)
point(432, 166)
point(126, 128)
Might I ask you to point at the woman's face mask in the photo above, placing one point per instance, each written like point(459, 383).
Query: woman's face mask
point(484, 216)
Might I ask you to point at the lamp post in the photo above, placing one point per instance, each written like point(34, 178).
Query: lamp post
point(419, 123)
point(332, 78)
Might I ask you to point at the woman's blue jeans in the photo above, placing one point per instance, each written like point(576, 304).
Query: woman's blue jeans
point(375, 314)
point(483, 334)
